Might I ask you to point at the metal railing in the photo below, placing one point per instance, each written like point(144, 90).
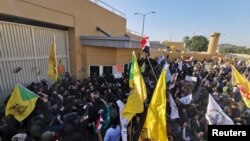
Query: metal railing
point(134, 32)
point(108, 7)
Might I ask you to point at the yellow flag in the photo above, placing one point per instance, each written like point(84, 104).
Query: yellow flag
point(154, 126)
point(21, 103)
point(248, 61)
point(52, 65)
point(138, 93)
point(243, 85)
point(143, 67)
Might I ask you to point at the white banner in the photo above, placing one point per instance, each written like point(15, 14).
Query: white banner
point(186, 99)
point(191, 78)
point(124, 122)
point(174, 110)
point(180, 64)
point(118, 75)
point(215, 115)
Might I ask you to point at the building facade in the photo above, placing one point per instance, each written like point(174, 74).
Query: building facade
point(87, 36)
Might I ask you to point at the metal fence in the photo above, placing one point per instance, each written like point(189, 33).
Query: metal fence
point(108, 7)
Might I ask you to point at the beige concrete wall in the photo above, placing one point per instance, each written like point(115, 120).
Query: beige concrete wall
point(109, 56)
point(101, 55)
point(72, 51)
point(197, 56)
point(177, 45)
point(32, 9)
point(81, 16)
point(124, 55)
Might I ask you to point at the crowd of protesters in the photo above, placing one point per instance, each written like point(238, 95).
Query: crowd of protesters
point(87, 110)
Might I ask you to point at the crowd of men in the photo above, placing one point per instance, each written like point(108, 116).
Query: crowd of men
point(87, 110)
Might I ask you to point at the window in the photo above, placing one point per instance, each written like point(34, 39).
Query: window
point(127, 67)
point(107, 70)
point(94, 71)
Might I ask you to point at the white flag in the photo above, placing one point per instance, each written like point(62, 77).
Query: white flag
point(160, 59)
point(186, 99)
point(191, 78)
point(180, 64)
point(118, 75)
point(215, 115)
point(174, 110)
point(173, 80)
point(169, 75)
point(124, 122)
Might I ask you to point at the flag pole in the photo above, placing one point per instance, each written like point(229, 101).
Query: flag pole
point(151, 67)
point(56, 81)
point(131, 130)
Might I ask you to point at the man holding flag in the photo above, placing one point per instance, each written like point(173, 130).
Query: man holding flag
point(145, 45)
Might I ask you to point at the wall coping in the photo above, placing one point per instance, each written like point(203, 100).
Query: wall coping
point(116, 42)
point(103, 41)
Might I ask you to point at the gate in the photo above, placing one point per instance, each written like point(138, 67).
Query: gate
point(24, 51)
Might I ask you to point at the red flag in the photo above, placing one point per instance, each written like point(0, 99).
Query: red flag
point(119, 68)
point(145, 45)
point(188, 58)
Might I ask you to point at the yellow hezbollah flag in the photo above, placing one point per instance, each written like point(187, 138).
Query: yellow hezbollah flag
point(143, 67)
point(138, 93)
point(243, 84)
point(52, 65)
point(21, 103)
point(154, 127)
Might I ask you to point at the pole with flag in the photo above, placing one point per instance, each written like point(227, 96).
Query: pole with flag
point(155, 124)
point(146, 49)
point(215, 115)
point(52, 63)
point(21, 103)
point(145, 45)
point(174, 110)
point(243, 85)
point(138, 93)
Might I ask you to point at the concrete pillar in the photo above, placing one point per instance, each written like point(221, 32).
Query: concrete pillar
point(213, 43)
